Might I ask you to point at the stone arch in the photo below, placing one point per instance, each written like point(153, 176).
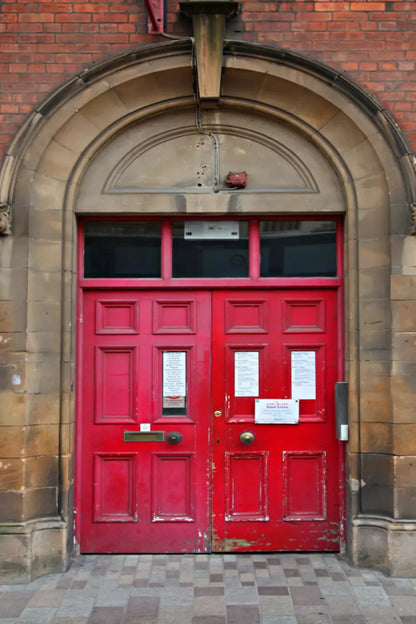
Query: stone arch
point(56, 159)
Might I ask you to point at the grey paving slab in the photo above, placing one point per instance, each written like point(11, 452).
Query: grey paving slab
point(230, 588)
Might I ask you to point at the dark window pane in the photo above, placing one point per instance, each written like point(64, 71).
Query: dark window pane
point(122, 249)
point(298, 249)
point(203, 250)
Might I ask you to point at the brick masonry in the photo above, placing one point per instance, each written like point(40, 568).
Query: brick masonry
point(42, 44)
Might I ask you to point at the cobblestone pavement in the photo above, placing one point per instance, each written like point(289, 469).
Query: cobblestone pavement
point(211, 589)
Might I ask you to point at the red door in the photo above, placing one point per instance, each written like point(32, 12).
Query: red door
point(276, 487)
point(162, 465)
point(144, 450)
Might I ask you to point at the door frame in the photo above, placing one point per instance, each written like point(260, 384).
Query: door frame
point(254, 282)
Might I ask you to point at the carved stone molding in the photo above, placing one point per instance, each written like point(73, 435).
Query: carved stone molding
point(413, 219)
point(5, 220)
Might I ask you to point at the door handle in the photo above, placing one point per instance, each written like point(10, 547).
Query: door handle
point(247, 437)
point(173, 437)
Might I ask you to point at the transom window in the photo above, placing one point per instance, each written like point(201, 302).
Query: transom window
point(195, 249)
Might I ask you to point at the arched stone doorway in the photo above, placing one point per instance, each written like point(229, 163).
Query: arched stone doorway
point(121, 139)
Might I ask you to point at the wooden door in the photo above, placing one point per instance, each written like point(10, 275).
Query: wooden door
point(280, 491)
point(144, 375)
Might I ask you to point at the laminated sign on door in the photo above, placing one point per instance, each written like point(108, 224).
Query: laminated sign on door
point(276, 411)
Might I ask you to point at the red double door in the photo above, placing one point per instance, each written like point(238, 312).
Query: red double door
point(173, 455)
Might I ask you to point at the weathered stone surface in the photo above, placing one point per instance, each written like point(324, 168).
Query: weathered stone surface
point(11, 506)
point(40, 503)
point(12, 474)
point(405, 471)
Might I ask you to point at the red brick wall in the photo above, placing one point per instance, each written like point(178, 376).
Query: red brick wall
point(44, 43)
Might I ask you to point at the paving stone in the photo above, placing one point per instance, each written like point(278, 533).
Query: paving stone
point(246, 614)
point(371, 595)
point(47, 598)
point(37, 615)
point(106, 615)
point(232, 588)
point(112, 598)
point(306, 595)
point(278, 619)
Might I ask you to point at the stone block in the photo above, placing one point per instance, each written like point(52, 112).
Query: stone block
point(44, 317)
point(12, 408)
point(403, 287)
point(11, 474)
point(409, 252)
point(369, 546)
point(404, 439)
point(11, 506)
point(45, 255)
point(14, 557)
point(405, 502)
point(374, 314)
point(49, 554)
point(375, 406)
point(48, 197)
point(374, 283)
point(376, 437)
point(401, 549)
point(11, 442)
point(374, 253)
point(40, 503)
point(404, 346)
point(404, 315)
point(43, 409)
point(13, 284)
point(41, 471)
point(44, 286)
point(12, 316)
point(405, 471)
point(377, 483)
point(41, 440)
point(57, 161)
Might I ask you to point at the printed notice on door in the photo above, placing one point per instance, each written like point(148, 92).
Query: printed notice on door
point(276, 411)
point(303, 375)
point(174, 378)
point(246, 373)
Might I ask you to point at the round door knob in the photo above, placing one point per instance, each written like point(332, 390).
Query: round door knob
point(247, 437)
point(173, 437)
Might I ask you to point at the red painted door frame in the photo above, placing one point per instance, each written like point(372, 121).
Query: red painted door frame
point(253, 283)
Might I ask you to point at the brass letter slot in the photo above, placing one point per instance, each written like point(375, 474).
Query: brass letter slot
point(144, 436)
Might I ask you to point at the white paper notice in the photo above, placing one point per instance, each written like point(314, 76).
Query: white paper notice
point(276, 411)
point(246, 373)
point(174, 373)
point(303, 375)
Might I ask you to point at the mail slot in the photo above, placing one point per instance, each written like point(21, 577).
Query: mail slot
point(143, 436)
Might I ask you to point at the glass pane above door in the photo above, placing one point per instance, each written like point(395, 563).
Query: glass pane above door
point(210, 249)
point(122, 249)
point(298, 248)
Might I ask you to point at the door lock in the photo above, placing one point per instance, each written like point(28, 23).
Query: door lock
point(247, 437)
point(173, 437)
point(217, 413)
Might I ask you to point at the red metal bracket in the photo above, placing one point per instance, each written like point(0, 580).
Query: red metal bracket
point(156, 12)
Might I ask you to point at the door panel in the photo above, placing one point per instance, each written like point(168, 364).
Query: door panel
point(143, 496)
point(281, 491)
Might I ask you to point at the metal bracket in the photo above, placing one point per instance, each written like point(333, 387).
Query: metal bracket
point(341, 410)
point(156, 13)
point(5, 220)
